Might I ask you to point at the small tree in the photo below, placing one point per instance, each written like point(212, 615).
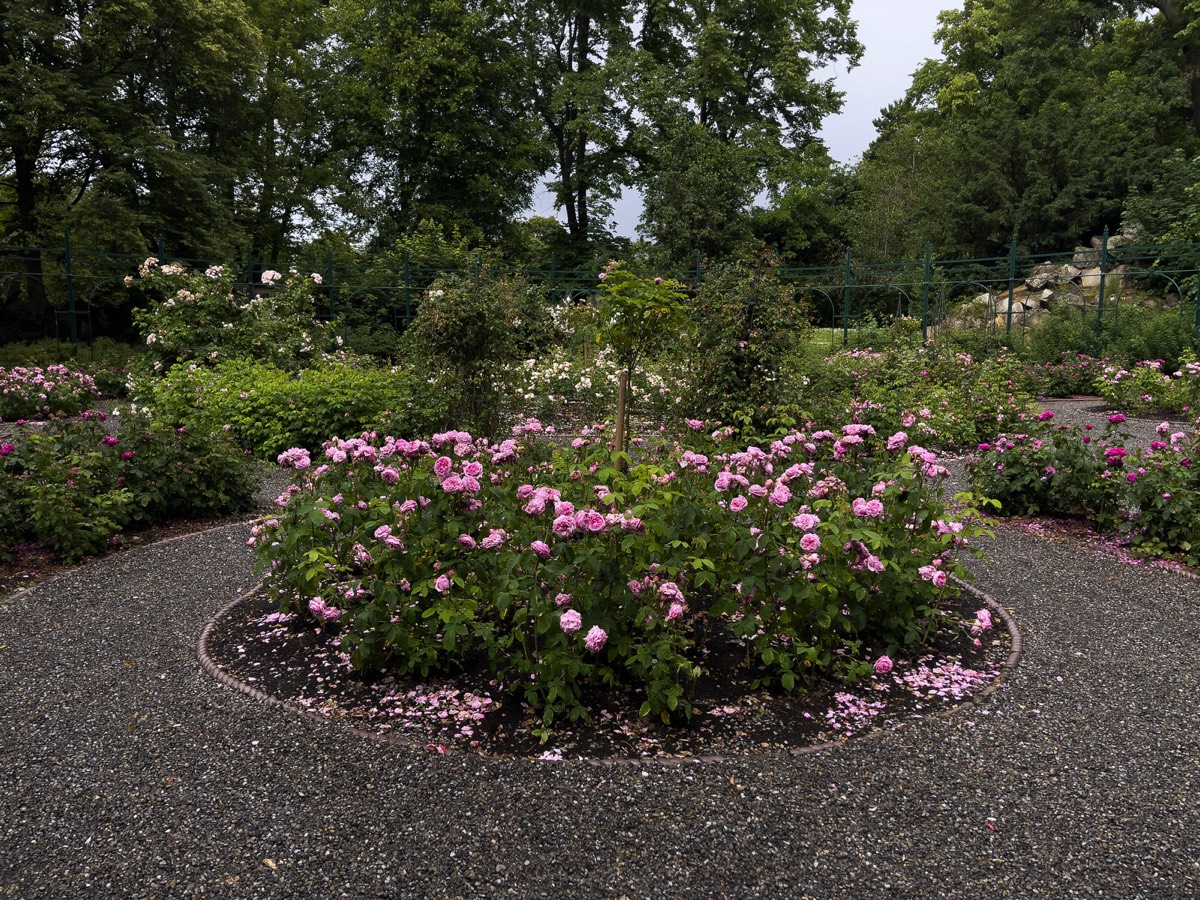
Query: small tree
point(638, 317)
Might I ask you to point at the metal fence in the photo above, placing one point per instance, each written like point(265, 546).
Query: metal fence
point(1004, 295)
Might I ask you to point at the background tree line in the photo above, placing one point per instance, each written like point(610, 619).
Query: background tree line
point(292, 124)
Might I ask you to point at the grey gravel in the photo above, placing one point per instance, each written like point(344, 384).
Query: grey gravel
point(125, 771)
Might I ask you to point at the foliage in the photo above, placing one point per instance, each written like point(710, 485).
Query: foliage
point(945, 399)
point(1129, 333)
point(266, 409)
point(437, 120)
point(1166, 497)
point(206, 318)
point(77, 482)
point(471, 325)
point(1037, 120)
point(105, 360)
point(638, 315)
point(564, 573)
point(748, 324)
point(1072, 373)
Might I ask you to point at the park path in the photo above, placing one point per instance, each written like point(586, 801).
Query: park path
point(125, 771)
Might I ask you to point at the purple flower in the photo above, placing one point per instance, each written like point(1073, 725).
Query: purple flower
point(540, 549)
point(669, 590)
point(674, 612)
point(595, 640)
point(738, 503)
point(810, 543)
point(321, 611)
point(563, 526)
point(466, 542)
point(883, 665)
point(1116, 418)
point(571, 621)
point(983, 621)
point(561, 599)
point(496, 538)
point(442, 467)
point(109, 441)
point(6, 449)
point(806, 522)
point(1045, 415)
point(442, 584)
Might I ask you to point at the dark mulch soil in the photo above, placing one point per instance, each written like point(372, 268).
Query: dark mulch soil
point(293, 661)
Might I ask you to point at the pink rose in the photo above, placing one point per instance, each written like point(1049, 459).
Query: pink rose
point(571, 621)
point(595, 640)
point(442, 467)
point(540, 549)
point(883, 665)
point(442, 584)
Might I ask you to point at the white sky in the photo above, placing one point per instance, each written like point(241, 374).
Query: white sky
point(898, 37)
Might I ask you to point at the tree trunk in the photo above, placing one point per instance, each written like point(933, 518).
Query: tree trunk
point(25, 172)
point(622, 437)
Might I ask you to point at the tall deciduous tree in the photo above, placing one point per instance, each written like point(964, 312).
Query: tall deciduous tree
point(743, 86)
point(438, 123)
point(1039, 121)
point(103, 107)
point(578, 55)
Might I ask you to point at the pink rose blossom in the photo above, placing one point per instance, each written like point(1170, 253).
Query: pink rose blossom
point(571, 621)
point(883, 665)
point(442, 584)
point(540, 549)
point(595, 640)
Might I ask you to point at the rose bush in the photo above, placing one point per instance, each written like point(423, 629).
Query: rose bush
point(1151, 494)
point(33, 392)
point(564, 572)
point(206, 317)
point(77, 482)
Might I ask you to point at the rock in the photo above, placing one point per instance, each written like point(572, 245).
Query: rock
point(1085, 258)
point(1042, 275)
point(1046, 296)
point(1090, 278)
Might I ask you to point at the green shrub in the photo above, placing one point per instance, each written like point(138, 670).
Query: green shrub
point(467, 330)
point(267, 410)
point(748, 324)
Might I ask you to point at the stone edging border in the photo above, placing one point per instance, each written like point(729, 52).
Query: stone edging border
point(216, 672)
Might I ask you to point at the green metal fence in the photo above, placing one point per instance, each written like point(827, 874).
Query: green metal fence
point(1003, 292)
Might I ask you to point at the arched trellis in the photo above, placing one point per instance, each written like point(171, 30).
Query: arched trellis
point(803, 289)
point(903, 300)
point(991, 292)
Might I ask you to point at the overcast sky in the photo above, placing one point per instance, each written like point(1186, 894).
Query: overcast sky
point(898, 37)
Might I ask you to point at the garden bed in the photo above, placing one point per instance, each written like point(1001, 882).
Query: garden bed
point(290, 660)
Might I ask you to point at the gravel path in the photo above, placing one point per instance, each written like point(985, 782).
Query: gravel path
point(127, 772)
